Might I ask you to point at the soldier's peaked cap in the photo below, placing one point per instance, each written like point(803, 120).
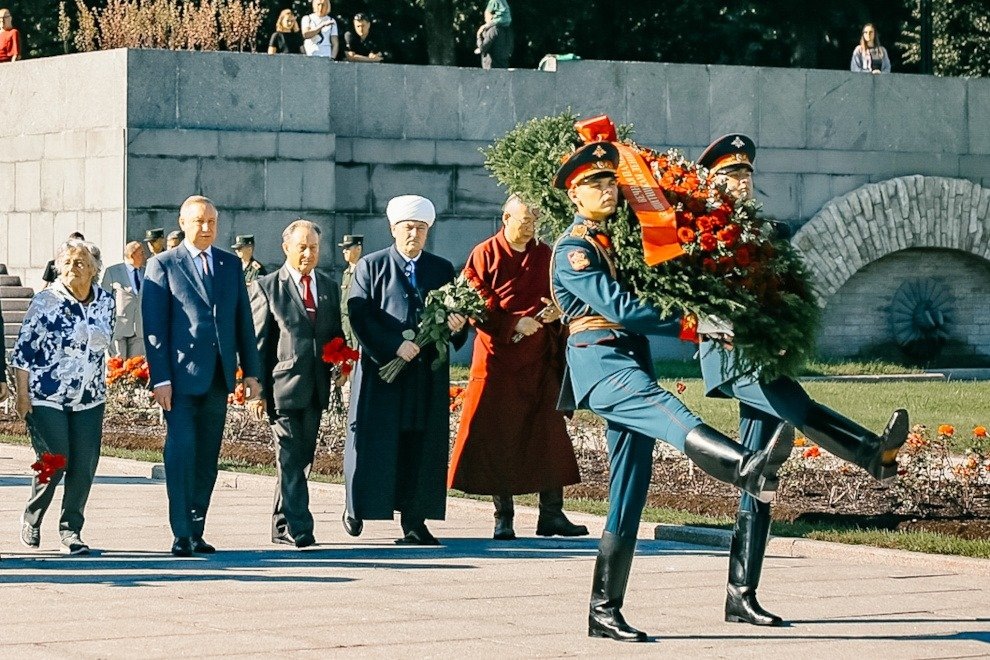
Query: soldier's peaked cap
point(593, 158)
point(732, 150)
point(154, 234)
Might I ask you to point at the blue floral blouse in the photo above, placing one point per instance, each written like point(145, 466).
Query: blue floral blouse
point(62, 345)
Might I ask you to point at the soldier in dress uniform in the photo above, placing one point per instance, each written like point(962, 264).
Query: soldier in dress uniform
point(174, 238)
point(244, 248)
point(155, 238)
point(610, 372)
point(351, 246)
point(762, 407)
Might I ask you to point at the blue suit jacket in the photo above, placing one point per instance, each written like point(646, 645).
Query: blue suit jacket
point(185, 332)
point(584, 284)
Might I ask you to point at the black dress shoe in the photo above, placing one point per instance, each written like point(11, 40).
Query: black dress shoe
point(201, 547)
point(418, 536)
point(305, 539)
point(353, 526)
point(182, 546)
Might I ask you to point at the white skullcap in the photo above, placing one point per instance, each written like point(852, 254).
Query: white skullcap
point(410, 207)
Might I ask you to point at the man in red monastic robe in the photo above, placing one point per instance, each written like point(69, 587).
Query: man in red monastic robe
point(512, 440)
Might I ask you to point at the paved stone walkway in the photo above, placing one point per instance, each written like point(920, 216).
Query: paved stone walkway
point(472, 597)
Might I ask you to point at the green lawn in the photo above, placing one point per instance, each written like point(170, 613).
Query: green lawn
point(962, 404)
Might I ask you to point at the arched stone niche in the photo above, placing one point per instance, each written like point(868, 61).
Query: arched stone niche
point(925, 233)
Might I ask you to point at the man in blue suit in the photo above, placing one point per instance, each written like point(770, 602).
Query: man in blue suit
point(611, 373)
point(198, 329)
point(764, 404)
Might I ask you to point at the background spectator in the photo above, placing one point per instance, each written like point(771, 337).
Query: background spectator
point(286, 39)
point(10, 38)
point(360, 46)
point(60, 363)
point(495, 43)
point(869, 56)
point(175, 237)
point(124, 281)
point(319, 30)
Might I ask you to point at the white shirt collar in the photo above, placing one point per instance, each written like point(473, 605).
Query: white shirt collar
point(194, 251)
point(297, 278)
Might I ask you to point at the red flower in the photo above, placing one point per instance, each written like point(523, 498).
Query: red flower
point(812, 452)
point(707, 241)
point(47, 465)
point(729, 235)
point(706, 223)
point(338, 353)
point(685, 235)
point(456, 397)
point(744, 256)
point(709, 264)
point(681, 386)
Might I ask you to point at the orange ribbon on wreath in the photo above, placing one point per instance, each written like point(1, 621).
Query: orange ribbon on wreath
point(657, 219)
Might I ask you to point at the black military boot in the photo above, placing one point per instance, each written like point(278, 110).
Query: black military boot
point(749, 545)
point(844, 438)
point(504, 511)
point(752, 471)
point(608, 590)
point(552, 521)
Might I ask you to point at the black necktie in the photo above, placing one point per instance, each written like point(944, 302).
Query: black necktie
point(137, 282)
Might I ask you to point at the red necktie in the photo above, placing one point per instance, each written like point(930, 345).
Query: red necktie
point(308, 301)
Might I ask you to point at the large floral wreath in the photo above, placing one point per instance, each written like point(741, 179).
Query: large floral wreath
point(731, 265)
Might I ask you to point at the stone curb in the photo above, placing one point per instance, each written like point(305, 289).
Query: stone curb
point(799, 547)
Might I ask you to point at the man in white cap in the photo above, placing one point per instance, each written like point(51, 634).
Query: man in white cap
point(395, 456)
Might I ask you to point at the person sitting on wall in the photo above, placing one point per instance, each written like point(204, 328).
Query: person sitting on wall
point(869, 56)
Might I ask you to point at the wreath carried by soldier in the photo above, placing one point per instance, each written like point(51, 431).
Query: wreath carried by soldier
point(680, 241)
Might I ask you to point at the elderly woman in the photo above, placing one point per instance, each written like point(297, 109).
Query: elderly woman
point(60, 364)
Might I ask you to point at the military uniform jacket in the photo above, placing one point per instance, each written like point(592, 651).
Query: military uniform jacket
point(345, 319)
point(253, 271)
point(584, 283)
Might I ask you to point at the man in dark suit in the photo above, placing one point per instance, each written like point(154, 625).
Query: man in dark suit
point(398, 433)
point(198, 328)
point(296, 312)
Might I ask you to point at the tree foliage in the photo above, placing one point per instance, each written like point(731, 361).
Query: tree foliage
point(748, 32)
point(960, 37)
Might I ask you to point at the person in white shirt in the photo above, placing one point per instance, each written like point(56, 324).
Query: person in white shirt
point(319, 31)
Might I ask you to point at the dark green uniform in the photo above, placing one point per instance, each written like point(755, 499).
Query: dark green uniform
point(253, 271)
point(345, 320)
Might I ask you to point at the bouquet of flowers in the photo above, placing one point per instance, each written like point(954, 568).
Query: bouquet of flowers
point(338, 353)
point(48, 463)
point(730, 265)
point(458, 297)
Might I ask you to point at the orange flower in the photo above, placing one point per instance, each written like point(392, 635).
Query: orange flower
point(980, 432)
point(685, 235)
point(812, 452)
point(800, 442)
point(946, 429)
